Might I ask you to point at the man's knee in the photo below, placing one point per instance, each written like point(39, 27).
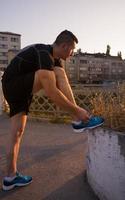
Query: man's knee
point(20, 131)
point(61, 77)
point(59, 72)
point(37, 84)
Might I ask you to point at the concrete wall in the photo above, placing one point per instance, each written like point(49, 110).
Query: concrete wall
point(106, 163)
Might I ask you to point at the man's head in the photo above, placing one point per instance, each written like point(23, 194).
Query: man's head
point(65, 43)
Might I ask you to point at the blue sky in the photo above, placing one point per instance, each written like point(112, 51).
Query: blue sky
point(96, 23)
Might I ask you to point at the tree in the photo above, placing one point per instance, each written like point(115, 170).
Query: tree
point(79, 51)
point(119, 54)
point(108, 50)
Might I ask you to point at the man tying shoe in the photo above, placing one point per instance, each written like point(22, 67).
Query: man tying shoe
point(38, 67)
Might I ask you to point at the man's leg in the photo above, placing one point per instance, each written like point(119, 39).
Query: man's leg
point(13, 178)
point(18, 123)
point(62, 84)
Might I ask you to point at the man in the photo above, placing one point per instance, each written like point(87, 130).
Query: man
point(35, 67)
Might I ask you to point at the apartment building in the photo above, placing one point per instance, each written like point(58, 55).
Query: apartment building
point(8, 42)
point(95, 68)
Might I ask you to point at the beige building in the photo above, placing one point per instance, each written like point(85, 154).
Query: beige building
point(95, 68)
point(8, 42)
point(11, 54)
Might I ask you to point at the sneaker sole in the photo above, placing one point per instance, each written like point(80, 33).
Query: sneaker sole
point(83, 129)
point(6, 188)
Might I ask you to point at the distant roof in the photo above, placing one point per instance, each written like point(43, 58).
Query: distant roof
point(10, 33)
point(13, 50)
point(97, 55)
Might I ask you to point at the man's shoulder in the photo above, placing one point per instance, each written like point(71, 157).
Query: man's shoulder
point(42, 47)
point(38, 47)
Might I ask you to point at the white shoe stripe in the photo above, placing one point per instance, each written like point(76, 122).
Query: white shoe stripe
point(82, 129)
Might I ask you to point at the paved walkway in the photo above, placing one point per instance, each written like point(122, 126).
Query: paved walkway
point(54, 156)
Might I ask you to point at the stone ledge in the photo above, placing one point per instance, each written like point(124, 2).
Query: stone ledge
point(106, 163)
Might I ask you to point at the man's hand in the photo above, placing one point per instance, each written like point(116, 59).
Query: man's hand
point(82, 114)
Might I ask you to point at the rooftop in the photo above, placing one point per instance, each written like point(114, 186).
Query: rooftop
point(9, 33)
point(97, 55)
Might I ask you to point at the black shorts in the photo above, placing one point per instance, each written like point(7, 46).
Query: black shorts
point(18, 92)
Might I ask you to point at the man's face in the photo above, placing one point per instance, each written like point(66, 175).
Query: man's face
point(67, 50)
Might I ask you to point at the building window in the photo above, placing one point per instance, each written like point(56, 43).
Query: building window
point(72, 61)
point(98, 69)
point(3, 61)
point(14, 47)
point(83, 61)
point(13, 39)
point(83, 69)
point(82, 75)
point(71, 75)
point(120, 64)
point(3, 38)
point(71, 68)
point(3, 54)
point(3, 46)
point(113, 71)
point(120, 71)
point(114, 64)
point(106, 63)
point(90, 62)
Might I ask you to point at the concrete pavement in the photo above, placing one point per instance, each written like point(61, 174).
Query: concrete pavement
point(54, 156)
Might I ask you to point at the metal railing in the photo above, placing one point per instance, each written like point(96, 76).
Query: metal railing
point(108, 102)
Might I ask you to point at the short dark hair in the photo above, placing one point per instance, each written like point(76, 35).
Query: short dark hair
point(66, 36)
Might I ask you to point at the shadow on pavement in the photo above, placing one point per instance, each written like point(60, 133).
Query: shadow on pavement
point(5, 194)
point(40, 154)
point(75, 189)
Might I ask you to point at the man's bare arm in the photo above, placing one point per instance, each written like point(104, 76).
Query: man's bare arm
point(48, 82)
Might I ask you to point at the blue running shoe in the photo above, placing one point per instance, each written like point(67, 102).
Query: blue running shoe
point(18, 181)
point(93, 122)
